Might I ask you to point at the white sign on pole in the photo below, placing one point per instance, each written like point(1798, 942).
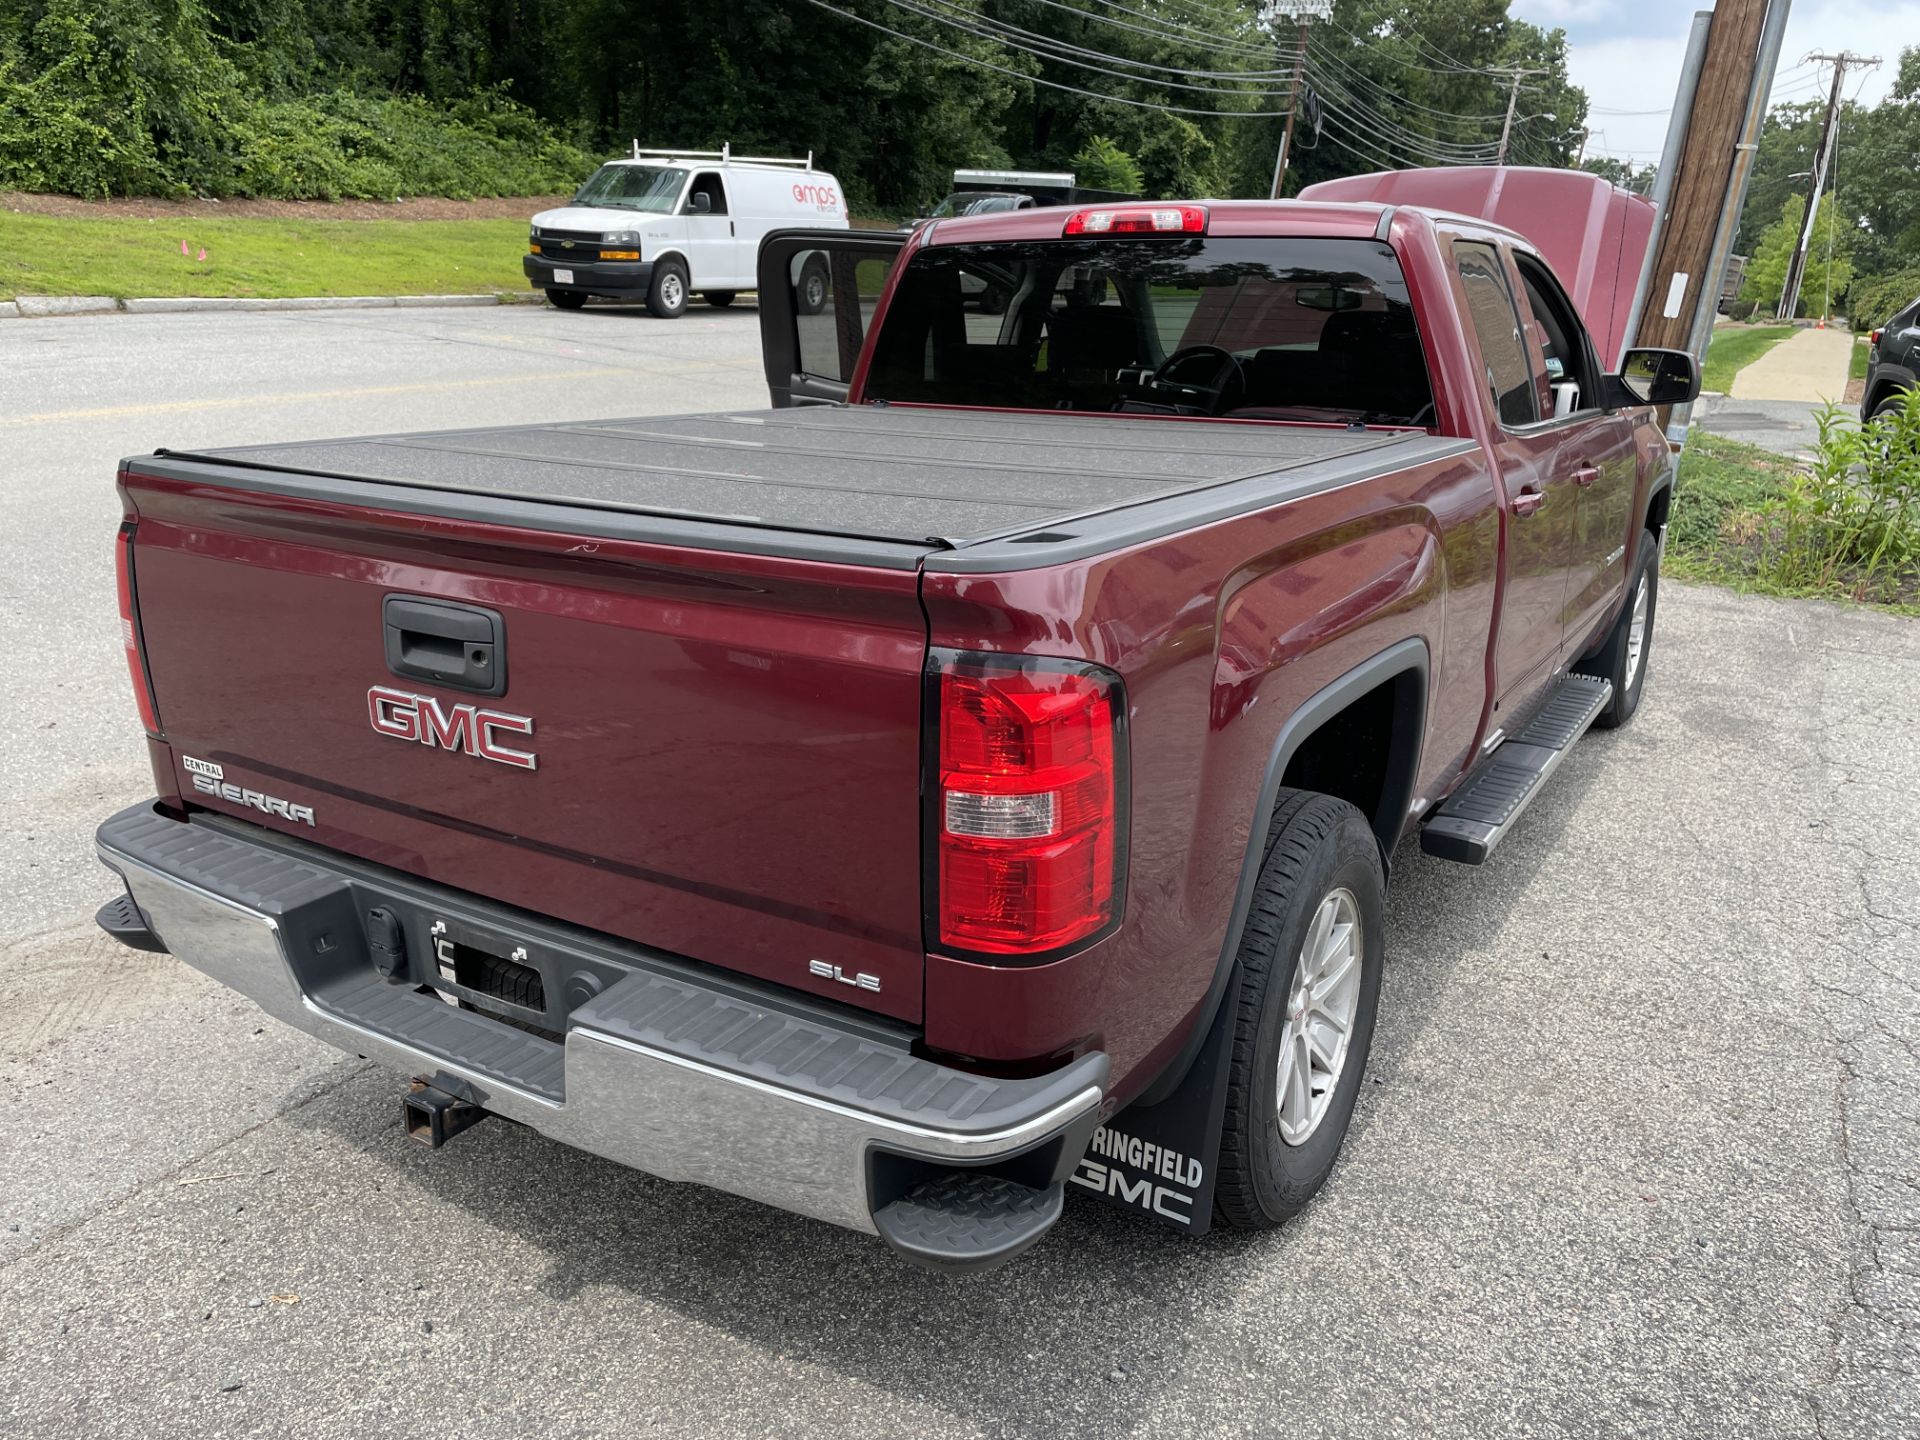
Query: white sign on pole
point(1300, 9)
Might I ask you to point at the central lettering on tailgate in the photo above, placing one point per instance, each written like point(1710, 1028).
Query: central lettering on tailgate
point(461, 726)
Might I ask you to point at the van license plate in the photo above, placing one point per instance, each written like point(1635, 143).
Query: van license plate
point(563, 277)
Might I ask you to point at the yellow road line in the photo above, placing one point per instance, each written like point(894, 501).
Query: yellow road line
point(306, 397)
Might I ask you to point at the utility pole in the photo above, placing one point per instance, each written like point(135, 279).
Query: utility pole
point(1515, 74)
point(1302, 11)
point(1822, 160)
point(1703, 174)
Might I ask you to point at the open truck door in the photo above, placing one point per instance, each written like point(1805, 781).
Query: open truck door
point(818, 289)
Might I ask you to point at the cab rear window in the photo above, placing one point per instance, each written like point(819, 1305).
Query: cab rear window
point(1280, 329)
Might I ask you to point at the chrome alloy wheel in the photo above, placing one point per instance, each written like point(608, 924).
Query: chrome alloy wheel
point(1637, 633)
point(672, 292)
point(1320, 1011)
point(816, 291)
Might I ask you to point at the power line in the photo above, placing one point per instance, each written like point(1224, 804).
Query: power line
point(1046, 48)
point(1022, 75)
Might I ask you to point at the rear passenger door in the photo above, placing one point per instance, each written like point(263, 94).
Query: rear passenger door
point(818, 291)
point(1591, 446)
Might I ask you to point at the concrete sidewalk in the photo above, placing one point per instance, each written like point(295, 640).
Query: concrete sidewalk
point(1809, 366)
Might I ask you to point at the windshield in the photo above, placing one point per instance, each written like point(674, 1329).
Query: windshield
point(633, 187)
point(1279, 329)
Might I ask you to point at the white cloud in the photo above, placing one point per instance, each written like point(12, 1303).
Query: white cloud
point(1640, 72)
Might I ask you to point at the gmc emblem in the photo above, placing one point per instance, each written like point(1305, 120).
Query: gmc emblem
point(460, 726)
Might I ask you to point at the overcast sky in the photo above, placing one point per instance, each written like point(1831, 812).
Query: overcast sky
point(1627, 53)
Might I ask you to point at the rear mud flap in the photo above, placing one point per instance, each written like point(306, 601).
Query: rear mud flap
point(1160, 1160)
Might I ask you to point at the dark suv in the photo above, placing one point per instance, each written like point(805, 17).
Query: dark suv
point(1892, 362)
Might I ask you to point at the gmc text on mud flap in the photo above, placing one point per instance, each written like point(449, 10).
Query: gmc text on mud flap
point(1163, 1182)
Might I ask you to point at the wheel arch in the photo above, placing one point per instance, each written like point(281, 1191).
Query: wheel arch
point(1401, 671)
point(1659, 505)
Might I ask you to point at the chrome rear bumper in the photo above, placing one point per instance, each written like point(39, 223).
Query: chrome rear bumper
point(668, 1069)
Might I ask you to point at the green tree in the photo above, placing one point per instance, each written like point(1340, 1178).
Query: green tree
point(1103, 165)
point(1829, 268)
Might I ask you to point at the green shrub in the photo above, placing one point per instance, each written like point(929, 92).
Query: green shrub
point(1850, 522)
point(128, 97)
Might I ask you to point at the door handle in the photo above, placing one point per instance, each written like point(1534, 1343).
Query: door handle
point(1530, 499)
point(1586, 475)
point(446, 643)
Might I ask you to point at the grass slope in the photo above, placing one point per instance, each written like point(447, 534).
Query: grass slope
point(1733, 348)
point(269, 259)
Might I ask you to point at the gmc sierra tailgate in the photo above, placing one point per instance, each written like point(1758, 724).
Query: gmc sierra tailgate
point(661, 678)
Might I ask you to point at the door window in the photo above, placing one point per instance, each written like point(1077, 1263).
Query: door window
point(1496, 323)
point(710, 185)
point(1562, 354)
point(833, 298)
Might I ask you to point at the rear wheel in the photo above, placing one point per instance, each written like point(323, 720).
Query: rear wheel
point(667, 295)
point(1622, 656)
point(813, 288)
point(1309, 963)
point(719, 299)
point(1888, 403)
point(566, 299)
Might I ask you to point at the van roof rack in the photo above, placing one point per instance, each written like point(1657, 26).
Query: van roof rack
point(724, 155)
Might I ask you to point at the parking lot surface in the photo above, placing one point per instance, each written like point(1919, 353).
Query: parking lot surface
point(1637, 1154)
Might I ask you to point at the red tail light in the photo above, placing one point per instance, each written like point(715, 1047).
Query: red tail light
point(130, 630)
point(1139, 220)
point(1873, 337)
point(1028, 805)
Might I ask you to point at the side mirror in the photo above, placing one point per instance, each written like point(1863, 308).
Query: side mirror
point(699, 203)
point(1657, 377)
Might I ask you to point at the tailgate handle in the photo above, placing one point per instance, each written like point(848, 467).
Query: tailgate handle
point(462, 646)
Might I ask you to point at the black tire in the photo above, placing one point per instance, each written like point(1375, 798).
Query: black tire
point(1615, 660)
point(810, 295)
point(1888, 403)
point(667, 294)
point(566, 299)
point(993, 301)
point(719, 299)
point(1318, 846)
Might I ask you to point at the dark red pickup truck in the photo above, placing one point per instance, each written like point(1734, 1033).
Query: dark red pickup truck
point(975, 775)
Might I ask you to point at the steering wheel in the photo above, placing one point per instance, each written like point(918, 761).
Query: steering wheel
point(1226, 374)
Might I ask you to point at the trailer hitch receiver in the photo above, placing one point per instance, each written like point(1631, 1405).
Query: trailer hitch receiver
point(433, 1117)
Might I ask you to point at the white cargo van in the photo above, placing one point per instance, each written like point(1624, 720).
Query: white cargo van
point(669, 224)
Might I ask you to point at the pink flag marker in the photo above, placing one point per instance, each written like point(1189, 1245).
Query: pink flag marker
point(183, 247)
point(203, 252)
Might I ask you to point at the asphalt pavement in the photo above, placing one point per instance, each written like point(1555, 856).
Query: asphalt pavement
point(1637, 1154)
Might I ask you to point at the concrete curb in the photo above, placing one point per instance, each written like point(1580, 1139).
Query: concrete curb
point(40, 306)
point(34, 306)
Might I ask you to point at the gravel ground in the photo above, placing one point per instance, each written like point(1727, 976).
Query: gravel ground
point(1637, 1154)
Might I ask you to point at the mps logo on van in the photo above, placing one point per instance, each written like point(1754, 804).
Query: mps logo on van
point(823, 197)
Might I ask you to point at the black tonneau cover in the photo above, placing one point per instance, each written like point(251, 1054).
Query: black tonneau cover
point(951, 479)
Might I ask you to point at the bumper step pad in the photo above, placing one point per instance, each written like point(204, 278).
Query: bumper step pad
point(962, 1220)
point(1477, 816)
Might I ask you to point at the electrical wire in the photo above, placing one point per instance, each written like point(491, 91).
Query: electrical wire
point(1045, 46)
point(1022, 75)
